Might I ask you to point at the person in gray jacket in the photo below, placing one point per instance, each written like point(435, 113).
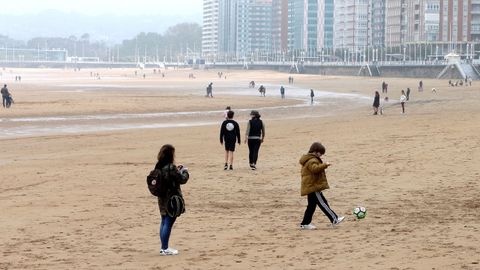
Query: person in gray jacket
point(5, 95)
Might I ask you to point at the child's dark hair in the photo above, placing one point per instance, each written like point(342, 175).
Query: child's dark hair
point(317, 147)
point(166, 155)
point(230, 114)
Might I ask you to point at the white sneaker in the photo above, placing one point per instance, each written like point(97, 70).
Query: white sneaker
point(168, 251)
point(308, 227)
point(338, 221)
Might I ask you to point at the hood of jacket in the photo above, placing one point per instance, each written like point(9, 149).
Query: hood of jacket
point(306, 158)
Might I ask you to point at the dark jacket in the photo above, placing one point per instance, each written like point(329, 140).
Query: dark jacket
point(173, 178)
point(255, 129)
point(5, 92)
point(230, 135)
point(376, 101)
point(314, 178)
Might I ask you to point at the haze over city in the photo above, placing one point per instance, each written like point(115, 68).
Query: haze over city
point(107, 20)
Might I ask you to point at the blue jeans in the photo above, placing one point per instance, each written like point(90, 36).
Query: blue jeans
point(166, 229)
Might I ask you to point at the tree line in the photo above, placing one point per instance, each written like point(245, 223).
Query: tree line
point(178, 40)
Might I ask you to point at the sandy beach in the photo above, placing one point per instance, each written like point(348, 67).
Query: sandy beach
point(75, 152)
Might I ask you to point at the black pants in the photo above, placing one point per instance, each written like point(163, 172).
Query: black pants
point(253, 147)
point(5, 100)
point(314, 199)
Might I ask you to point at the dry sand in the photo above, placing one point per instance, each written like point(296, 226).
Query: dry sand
point(79, 201)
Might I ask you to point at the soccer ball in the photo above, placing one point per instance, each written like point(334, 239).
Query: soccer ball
point(360, 212)
point(230, 126)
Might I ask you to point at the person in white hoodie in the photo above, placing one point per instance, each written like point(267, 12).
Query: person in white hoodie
point(403, 99)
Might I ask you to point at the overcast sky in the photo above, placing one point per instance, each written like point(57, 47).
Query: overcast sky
point(98, 7)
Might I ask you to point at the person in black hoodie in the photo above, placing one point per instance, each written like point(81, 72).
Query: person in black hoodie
point(229, 133)
point(173, 174)
point(254, 136)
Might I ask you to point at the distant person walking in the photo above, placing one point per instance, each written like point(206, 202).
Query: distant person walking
point(262, 90)
point(408, 93)
point(255, 136)
point(384, 87)
point(210, 90)
point(314, 182)
point(312, 95)
point(420, 86)
point(5, 96)
point(173, 177)
point(225, 113)
point(403, 99)
point(376, 103)
point(282, 92)
point(229, 135)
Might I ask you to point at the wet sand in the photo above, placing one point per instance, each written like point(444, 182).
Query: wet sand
point(80, 200)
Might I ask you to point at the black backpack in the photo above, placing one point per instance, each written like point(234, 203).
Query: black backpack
point(175, 204)
point(154, 180)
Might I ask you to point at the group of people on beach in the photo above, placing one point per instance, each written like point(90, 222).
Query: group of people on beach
point(230, 135)
point(312, 173)
point(467, 82)
point(379, 105)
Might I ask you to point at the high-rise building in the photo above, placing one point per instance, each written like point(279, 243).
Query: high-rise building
point(310, 25)
point(422, 20)
point(227, 25)
point(352, 20)
point(238, 28)
point(377, 23)
point(326, 23)
point(280, 26)
point(260, 26)
point(475, 21)
point(210, 27)
point(242, 19)
point(296, 25)
point(395, 22)
point(432, 20)
point(455, 20)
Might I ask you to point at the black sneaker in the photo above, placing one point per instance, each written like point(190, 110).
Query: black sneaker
point(231, 167)
point(225, 167)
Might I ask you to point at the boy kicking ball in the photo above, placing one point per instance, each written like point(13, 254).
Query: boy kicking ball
point(314, 181)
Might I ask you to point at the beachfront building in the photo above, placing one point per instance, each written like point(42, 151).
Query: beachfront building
point(210, 28)
point(327, 12)
point(236, 29)
point(259, 28)
point(475, 21)
point(432, 20)
point(395, 23)
point(352, 20)
point(280, 26)
point(455, 20)
point(227, 25)
point(378, 23)
point(422, 21)
point(310, 26)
